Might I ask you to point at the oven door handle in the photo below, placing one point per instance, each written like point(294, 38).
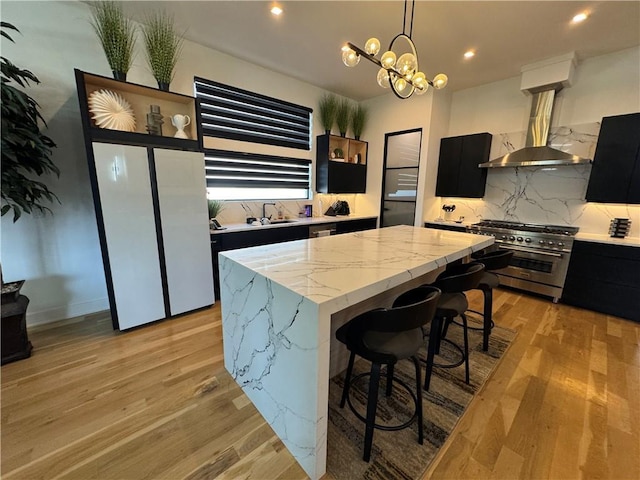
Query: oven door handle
point(528, 250)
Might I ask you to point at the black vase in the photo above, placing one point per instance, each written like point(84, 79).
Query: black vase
point(357, 137)
point(327, 131)
point(163, 86)
point(343, 134)
point(122, 76)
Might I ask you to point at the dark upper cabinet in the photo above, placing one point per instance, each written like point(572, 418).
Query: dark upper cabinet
point(615, 174)
point(458, 171)
point(341, 165)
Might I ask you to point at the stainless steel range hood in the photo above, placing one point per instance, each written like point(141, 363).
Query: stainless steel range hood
point(536, 153)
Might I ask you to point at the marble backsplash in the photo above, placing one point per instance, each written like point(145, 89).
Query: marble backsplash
point(546, 195)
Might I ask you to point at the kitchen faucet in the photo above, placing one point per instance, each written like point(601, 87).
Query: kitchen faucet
point(264, 210)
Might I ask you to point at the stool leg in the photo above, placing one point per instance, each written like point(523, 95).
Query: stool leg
point(488, 309)
point(347, 380)
point(442, 332)
point(372, 405)
point(416, 362)
point(389, 378)
point(466, 347)
point(431, 350)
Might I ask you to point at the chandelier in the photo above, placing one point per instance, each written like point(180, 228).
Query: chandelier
point(400, 72)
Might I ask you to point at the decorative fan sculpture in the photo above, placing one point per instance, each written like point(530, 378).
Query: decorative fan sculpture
point(111, 111)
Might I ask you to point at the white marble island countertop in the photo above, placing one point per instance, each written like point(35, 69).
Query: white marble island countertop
point(279, 304)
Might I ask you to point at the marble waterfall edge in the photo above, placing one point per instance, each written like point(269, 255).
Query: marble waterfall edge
point(265, 335)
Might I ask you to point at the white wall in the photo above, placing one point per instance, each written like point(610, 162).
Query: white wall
point(60, 255)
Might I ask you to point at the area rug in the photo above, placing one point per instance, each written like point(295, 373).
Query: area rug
point(397, 454)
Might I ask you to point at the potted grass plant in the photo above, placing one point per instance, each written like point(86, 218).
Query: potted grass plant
point(359, 118)
point(116, 34)
point(215, 207)
point(163, 45)
point(327, 111)
point(343, 116)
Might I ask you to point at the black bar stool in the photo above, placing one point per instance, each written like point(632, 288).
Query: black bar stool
point(385, 336)
point(496, 260)
point(453, 282)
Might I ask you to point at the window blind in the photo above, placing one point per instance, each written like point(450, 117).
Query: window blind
point(250, 170)
point(236, 114)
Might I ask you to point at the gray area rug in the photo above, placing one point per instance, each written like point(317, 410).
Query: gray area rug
point(397, 454)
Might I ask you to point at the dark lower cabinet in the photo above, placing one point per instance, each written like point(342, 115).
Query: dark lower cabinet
point(15, 341)
point(604, 278)
point(445, 226)
point(458, 171)
point(252, 238)
point(615, 174)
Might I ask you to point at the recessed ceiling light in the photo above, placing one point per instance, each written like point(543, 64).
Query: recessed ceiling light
point(276, 10)
point(469, 54)
point(581, 17)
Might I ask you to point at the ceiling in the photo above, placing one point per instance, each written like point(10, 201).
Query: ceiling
point(305, 41)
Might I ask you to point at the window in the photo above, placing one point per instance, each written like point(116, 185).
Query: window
point(235, 114)
point(249, 176)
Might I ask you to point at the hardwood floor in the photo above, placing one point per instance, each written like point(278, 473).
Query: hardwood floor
point(157, 403)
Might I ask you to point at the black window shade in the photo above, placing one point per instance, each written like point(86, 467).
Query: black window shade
point(250, 170)
point(236, 114)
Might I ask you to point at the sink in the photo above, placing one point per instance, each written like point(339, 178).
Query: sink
point(276, 222)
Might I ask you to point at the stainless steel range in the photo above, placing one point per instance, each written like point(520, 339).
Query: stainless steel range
point(540, 254)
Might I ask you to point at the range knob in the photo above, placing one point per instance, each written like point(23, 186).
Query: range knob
point(541, 242)
point(520, 239)
point(503, 237)
point(527, 240)
point(549, 243)
point(512, 238)
point(560, 244)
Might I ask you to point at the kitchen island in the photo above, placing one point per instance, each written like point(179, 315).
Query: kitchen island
point(281, 303)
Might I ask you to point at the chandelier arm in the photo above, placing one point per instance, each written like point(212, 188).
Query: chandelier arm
point(413, 6)
point(404, 18)
point(364, 54)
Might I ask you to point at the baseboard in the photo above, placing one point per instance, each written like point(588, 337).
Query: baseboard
point(66, 311)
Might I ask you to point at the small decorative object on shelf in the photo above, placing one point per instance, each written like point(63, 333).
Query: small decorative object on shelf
point(111, 111)
point(180, 122)
point(619, 227)
point(448, 210)
point(154, 120)
point(338, 154)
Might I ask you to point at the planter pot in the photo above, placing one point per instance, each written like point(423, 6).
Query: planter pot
point(327, 131)
point(163, 86)
point(357, 137)
point(343, 134)
point(122, 76)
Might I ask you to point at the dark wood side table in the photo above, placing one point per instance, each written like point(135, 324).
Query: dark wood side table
point(15, 342)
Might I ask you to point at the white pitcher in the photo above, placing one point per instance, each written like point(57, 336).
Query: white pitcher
point(180, 122)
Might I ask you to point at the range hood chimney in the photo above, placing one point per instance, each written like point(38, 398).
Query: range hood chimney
point(536, 153)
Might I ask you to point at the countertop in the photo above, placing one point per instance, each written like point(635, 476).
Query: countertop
point(368, 262)
point(278, 305)
point(599, 238)
point(240, 227)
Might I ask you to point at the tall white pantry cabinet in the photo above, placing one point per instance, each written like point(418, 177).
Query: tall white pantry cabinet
point(150, 199)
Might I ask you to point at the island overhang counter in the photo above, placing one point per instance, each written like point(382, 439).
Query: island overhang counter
point(282, 303)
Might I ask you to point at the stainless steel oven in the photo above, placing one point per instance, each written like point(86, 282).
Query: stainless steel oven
point(540, 254)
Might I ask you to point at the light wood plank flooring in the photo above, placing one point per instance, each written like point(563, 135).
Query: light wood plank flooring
point(157, 403)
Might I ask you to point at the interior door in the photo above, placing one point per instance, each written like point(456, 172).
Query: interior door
point(400, 178)
point(185, 228)
point(130, 231)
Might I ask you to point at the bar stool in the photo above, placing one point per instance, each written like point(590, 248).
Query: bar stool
point(453, 282)
point(496, 260)
point(383, 337)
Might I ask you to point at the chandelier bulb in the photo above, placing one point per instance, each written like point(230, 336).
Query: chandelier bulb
point(388, 59)
point(400, 84)
point(383, 78)
point(407, 64)
point(440, 81)
point(372, 47)
point(350, 58)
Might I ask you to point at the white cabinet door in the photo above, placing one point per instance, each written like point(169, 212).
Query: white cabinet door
point(130, 230)
point(185, 228)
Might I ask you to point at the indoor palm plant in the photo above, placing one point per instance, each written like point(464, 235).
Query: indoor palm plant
point(359, 118)
point(116, 34)
point(343, 116)
point(26, 151)
point(327, 111)
point(163, 45)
